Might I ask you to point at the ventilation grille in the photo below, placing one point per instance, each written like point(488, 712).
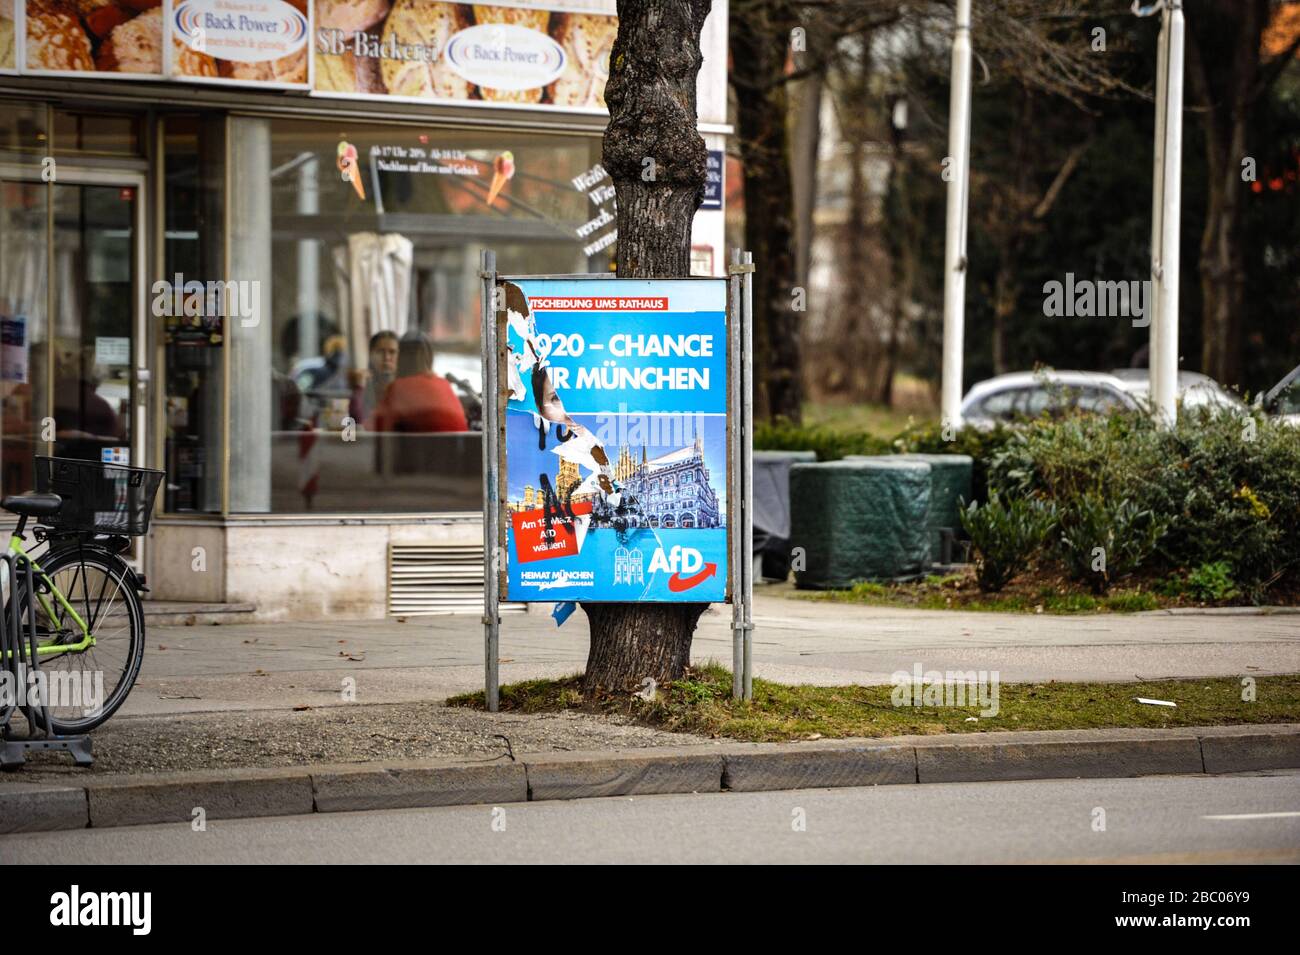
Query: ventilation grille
point(428, 579)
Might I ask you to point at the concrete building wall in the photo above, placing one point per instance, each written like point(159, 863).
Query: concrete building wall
point(290, 569)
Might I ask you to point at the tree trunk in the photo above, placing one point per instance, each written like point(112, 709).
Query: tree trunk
point(760, 42)
point(658, 163)
point(1227, 97)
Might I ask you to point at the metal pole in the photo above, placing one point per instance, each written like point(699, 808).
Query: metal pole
point(491, 560)
point(1166, 358)
point(735, 489)
point(954, 256)
point(1157, 206)
point(746, 462)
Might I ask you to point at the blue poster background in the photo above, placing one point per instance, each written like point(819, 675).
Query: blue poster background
point(660, 418)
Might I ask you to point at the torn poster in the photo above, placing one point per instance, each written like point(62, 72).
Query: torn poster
point(616, 440)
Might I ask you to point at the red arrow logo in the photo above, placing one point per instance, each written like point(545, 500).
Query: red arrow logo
point(677, 583)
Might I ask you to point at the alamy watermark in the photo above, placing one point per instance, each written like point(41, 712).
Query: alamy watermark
point(1089, 298)
point(622, 428)
point(959, 688)
point(214, 299)
point(62, 688)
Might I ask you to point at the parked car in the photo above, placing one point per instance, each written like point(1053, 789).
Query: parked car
point(1282, 401)
point(1029, 394)
point(1194, 390)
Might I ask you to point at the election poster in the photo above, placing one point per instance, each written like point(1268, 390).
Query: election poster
point(615, 440)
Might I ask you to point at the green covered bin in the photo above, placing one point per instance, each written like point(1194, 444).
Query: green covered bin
point(950, 484)
point(859, 520)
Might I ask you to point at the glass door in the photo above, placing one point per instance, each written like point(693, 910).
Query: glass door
point(71, 320)
point(93, 323)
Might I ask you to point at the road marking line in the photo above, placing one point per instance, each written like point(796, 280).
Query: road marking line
point(1255, 815)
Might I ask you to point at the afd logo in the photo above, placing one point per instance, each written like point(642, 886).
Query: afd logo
point(687, 566)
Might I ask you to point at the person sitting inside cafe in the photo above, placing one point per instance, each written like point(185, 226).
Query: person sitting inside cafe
point(418, 401)
point(370, 384)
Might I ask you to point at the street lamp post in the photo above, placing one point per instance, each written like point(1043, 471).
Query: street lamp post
point(1166, 202)
point(954, 256)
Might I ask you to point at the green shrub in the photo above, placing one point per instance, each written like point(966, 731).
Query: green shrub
point(982, 446)
point(829, 443)
point(1005, 537)
point(1226, 488)
point(1209, 583)
point(1103, 539)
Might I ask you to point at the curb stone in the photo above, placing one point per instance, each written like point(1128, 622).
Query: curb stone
point(397, 786)
point(580, 776)
point(1101, 759)
point(43, 808)
point(819, 767)
point(173, 797)
point(109, 801)
point(1243, 752)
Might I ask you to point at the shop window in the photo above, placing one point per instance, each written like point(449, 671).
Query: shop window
point(192, 333)
point(106, 134)
point(24, 307)
point(24, 127)
point(356, 385)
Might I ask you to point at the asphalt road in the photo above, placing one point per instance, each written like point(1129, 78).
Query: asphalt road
point(1242, 818)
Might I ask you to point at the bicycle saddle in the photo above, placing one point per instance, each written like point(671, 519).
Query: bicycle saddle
point(32, 504)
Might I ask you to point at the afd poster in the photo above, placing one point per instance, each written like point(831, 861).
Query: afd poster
point(616, 440)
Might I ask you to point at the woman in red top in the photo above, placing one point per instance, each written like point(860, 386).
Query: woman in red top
point(418, 400)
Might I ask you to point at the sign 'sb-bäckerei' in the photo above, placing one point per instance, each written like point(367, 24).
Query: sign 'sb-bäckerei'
point(616, 440)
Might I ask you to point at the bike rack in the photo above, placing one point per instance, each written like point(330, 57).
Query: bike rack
point(18, 652)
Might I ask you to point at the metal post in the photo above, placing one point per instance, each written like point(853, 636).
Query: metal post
point(1166, 357)
point(735, 487)
point(745, 460)
point(491, 497)
point(1157, 206)
point(954, 256)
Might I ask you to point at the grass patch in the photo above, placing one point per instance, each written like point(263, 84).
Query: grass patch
point(1030, 594)
point(702, 704)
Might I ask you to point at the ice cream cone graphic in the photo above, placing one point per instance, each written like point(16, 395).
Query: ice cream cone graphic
point(503, 169)
point(348, 167)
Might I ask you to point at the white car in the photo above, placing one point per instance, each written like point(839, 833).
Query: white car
point(1029, 394)
point(1282, 401)
point(1194, 390)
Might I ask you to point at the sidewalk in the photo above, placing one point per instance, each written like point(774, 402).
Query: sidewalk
point(286, 665)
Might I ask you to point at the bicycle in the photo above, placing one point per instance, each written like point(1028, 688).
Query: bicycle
point(86, 512)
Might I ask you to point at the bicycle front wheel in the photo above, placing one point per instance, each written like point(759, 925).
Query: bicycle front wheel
point(86, 686)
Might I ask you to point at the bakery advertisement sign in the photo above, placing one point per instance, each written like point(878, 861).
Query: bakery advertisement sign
point(247, 42)
point(263, 43)
point(615, 440)
point(11, 17)
point(123, 40)
point(485, 54)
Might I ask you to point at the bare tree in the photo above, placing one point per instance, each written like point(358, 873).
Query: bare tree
point(1228, 75)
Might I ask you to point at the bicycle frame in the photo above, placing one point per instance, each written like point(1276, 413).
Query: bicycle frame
point(49, 649)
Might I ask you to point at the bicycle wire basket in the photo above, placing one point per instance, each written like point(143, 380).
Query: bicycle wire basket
point(98, 498)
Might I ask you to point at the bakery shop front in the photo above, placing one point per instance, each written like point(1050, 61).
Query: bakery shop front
point(239, 241)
